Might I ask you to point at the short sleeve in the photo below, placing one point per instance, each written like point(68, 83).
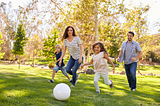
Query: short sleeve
point(78, 41)
point(138, 47)
point(64, 42)
point(122, 46)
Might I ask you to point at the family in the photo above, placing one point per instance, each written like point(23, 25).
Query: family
point(130, 53)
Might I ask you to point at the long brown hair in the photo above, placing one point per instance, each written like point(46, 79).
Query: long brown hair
point(65, 35)
point(101, 46)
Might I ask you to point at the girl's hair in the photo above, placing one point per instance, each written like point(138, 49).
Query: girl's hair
point(58, 45)
point(65, 35)
point(101, 46)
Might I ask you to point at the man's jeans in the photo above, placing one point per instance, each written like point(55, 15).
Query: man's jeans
point(131, 74)
point(75, 64)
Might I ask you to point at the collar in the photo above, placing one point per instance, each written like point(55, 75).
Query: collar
point(132, 42)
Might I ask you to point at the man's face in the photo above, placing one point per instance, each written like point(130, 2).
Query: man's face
point(130, 37)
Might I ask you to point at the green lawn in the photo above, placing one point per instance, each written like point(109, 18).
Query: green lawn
point(29, 87)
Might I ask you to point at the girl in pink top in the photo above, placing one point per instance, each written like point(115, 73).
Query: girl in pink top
point(101, 67)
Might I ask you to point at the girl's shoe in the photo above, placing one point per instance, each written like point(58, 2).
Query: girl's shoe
point(111, 86)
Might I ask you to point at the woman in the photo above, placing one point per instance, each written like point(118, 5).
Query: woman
point(74, 45)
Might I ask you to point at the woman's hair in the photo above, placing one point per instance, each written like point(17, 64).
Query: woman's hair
point(65, 35)
point(101, 46)
point(58, 45)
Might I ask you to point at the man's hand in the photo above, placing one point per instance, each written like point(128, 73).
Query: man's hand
point(118, 59)
point(133, 59)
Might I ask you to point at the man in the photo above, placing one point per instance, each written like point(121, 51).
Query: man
point(130, 52)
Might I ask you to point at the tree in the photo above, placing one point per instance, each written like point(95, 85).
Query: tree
point(50, 43)
point(33, 47)
point(20, 42)
point(1, 41)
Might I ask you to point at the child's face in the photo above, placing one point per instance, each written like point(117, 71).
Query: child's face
point(58, 49)
point(97, 49)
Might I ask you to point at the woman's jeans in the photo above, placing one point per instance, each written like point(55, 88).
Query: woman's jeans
point(75, 64)
point(131, 74)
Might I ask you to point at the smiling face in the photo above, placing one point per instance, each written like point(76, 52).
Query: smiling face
point(70, 32)
point(97, 49)
point(130, 37)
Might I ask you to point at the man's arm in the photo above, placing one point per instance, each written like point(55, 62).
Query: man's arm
point(140, 54)
point(119, 56)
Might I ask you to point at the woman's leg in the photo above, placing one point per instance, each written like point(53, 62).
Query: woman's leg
point(74, 70)
point(70, 64)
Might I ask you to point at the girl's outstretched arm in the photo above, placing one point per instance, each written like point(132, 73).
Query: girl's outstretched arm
point(106, 57)
point(89, 63)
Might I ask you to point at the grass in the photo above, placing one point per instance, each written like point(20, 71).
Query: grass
point(29, 86)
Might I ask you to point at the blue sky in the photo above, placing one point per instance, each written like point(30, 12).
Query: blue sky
point(153, 15)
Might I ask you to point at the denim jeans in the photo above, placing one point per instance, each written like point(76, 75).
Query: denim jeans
point(60, 68)
point(131, 74)
point(75, 64)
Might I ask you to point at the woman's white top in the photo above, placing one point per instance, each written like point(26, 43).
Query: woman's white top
point(73, 47)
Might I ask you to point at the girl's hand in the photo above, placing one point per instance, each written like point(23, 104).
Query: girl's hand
point(80, 60)
point(60, 62)
point(82, 66)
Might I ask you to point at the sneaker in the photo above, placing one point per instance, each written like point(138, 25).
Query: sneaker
point(133, 90)
point(70, 81)
point(77, 76)
point(72, 85)
point(97, 91)
point(129, 87)
point(111, 86)
point(50, 81)
point(76, 81)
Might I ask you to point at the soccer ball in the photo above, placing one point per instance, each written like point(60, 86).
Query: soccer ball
point(61, 91)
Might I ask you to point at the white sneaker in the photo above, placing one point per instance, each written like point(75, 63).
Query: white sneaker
point(129, 88)
point(133, 89)
point(72, 85)
point(78, 76)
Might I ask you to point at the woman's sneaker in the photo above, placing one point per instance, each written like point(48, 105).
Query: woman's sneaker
point(111, 86)
point(97, 91)
point(72, 85)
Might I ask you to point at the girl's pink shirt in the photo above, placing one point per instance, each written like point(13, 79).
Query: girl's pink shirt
point(100, 63)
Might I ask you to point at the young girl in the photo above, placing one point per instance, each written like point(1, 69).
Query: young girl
point(101, 66)
point(74, 45)
point(58, 54)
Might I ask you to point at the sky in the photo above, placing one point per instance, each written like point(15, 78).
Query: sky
point(153, 15)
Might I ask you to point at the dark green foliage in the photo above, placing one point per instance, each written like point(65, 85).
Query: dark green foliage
point(49, 45)
point(20, 41)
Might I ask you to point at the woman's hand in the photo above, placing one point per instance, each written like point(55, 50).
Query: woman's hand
point(80, 60)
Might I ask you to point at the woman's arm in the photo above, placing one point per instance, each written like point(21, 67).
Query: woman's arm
point(106, 57)
point(81, 51)
point(63, 53)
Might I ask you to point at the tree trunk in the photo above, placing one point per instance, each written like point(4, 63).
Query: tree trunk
point(33, 58)
point(19, 62)
point(96, 21)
